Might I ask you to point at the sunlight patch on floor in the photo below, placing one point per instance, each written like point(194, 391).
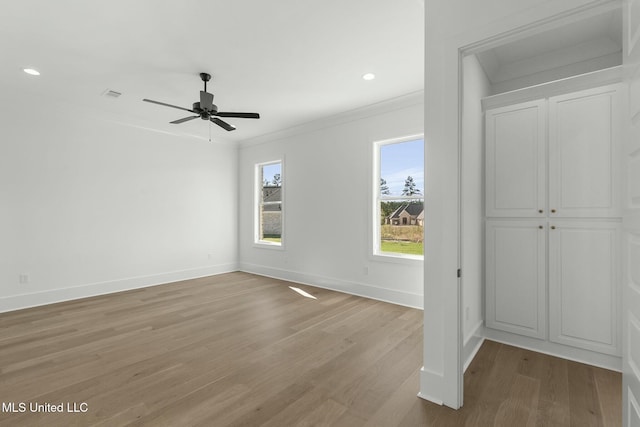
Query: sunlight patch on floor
point(301, 292)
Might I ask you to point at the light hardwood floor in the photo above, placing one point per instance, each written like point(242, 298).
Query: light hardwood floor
point(243, 350)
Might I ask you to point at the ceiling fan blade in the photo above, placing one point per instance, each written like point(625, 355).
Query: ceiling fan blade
point(186, 119)
point(168, 105)
point(222, 124)
point(206, 100)
point(238, 115)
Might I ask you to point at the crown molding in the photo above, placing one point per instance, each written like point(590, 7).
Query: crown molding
point(398, 103)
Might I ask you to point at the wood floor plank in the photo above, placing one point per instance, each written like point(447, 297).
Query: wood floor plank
point(325, 415)
point(553, 405)
point(583, 397)
point(498, 381)
point(609, 396)
point(477, 372)
point(396, 406)
point(365, 393)
point(243, 350)
point(520, 408)
point(301, 409)
point(428, 414)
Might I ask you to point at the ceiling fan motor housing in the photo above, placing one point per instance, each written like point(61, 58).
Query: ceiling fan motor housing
point(197, 109)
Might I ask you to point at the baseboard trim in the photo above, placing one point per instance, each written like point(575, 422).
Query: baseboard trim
point(431, 386)
point(600, 360)
point(354, 288)
point(35, 299)
point(430, 399)
point(472, 345)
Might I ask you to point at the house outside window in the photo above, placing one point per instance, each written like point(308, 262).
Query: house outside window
point(398, 211)
point(269, 204)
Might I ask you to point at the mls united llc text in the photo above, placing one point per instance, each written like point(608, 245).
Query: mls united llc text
point(46, 407)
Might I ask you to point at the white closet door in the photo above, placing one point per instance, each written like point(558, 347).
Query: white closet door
point(516, 295)
point(584, 275)
point(584, 154)
point(515, 160)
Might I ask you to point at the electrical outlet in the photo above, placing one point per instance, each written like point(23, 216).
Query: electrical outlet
point(466, 313)
point(23, 278)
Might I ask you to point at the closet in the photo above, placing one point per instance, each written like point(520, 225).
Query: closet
point(553, 225)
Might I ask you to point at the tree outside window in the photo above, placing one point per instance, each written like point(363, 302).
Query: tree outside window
point(399, 200)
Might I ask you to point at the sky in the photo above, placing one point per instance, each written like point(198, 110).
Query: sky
point(268, 171)
point(397, 161)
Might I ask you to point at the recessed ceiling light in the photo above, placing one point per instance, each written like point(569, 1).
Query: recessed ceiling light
point(369, 76)
point(31, 71)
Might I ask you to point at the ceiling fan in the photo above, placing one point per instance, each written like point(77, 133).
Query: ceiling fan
point(206, 109)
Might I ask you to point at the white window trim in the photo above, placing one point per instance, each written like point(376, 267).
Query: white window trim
point(256, 206)
point(375, 253)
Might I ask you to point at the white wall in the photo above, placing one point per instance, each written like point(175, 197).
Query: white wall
point(476, 86)
point(327, 208)
point(90, 206)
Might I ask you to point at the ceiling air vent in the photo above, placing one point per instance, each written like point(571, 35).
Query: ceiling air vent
point(111, 93)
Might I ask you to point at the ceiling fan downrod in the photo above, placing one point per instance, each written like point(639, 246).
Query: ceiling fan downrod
point(205, 78)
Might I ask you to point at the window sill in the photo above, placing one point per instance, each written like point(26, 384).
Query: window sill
point(268, 245)
point(398, 258)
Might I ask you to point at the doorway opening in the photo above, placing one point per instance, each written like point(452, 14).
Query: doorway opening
point(580, 45)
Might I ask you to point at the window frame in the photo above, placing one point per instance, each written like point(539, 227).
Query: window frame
point(375, 252)
point(257, 205)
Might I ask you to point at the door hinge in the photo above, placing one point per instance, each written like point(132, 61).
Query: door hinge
point(459, 273)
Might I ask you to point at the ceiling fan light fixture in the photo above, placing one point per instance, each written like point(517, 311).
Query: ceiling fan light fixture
point(31, 71)
point(368, 76)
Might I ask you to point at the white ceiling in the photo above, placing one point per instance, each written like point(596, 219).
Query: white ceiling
point(594, 42)
point(292, 61)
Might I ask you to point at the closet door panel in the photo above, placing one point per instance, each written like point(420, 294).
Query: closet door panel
point(583, 284)
point(515, 160)
point(516, 277)
point(584, 154)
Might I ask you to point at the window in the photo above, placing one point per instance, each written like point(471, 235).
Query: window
point(269, 203)
point(398, 222)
